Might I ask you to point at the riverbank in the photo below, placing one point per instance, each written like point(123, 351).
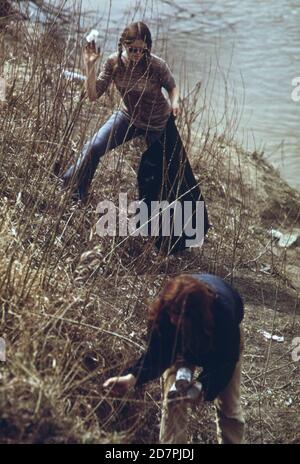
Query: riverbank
point(74, 305)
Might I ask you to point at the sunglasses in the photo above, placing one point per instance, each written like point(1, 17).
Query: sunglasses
point(136, 50)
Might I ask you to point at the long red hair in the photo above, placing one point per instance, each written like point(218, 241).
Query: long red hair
point(186, 302)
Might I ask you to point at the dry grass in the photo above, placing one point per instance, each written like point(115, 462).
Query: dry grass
point(74, 305)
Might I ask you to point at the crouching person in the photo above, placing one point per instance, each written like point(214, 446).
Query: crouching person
point(194, 322)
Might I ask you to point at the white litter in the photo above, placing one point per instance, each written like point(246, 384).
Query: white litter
point(72, 76)
point(269, 336)
point(284, 240)
point(93, 35)
point(19, 198)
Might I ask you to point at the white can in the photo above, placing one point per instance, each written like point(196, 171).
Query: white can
point(183, 378)
point(93, 35)
point(194, 391)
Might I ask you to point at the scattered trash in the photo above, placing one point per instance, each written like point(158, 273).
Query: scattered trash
point(194, 391)
point(269, 336)
point(266, 269)
point(284, 240)
point(183, 378)
point(72, 76)
point(19, 198)
point(93, 35)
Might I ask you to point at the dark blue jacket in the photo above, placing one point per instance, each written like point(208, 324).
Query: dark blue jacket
point(219, 363)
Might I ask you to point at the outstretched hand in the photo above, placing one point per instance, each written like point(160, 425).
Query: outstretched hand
point(120, 385)
point(90, 54)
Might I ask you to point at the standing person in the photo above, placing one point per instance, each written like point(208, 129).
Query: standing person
point(139, 76)
point(196, 321)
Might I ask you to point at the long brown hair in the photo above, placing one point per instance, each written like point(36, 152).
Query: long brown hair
point(132, 32)
point(187, 302)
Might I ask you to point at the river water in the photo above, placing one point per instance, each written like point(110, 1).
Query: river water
point(252, 45)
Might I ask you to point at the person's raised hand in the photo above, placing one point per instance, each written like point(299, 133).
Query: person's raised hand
point(119, 385)
point(90, 54)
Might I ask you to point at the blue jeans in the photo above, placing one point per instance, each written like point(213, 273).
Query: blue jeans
point(114, 132)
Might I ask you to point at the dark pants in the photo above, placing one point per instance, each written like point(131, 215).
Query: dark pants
point(114, 132)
